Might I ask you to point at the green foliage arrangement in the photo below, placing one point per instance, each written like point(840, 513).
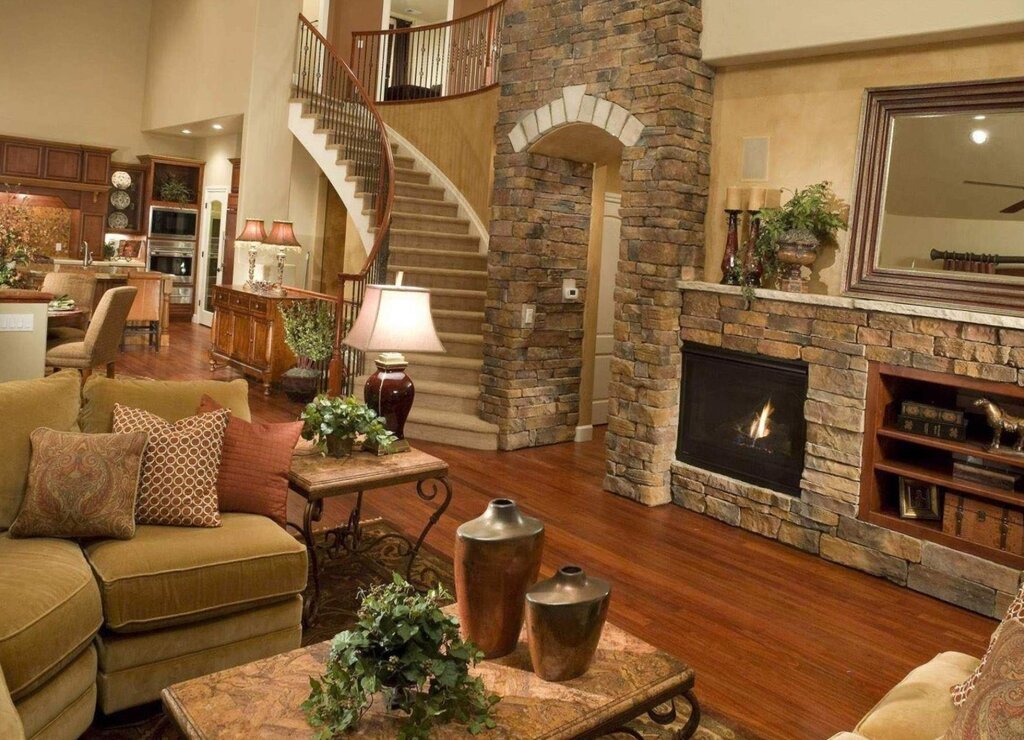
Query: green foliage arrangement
point(409, 651)
point(174, 190)
point(816, 208)
point(308, 328)
point(345, 418)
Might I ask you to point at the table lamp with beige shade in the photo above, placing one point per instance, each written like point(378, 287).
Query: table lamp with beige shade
point(393, 319)
point(253, 234)
point(282, 236)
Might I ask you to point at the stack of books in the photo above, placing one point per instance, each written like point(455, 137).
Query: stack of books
point(986, 472)
point(932, 421)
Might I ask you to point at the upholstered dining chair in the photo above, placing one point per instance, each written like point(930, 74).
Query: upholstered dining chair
point(102, 339)
point(81, 286)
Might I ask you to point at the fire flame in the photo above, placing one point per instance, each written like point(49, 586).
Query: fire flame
point(761, 426)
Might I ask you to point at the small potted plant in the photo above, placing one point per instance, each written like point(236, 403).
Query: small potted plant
point(789, 236)
point(405, 648)
point(174, 189)
point(335, 422)
point(309, 334)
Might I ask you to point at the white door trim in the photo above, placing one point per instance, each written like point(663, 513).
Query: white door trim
point(202, 316)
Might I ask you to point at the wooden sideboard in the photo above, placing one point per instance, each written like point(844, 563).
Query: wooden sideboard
point(248, 334)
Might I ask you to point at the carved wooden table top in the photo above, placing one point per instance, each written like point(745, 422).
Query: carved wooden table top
point(262, 699)
point(315, 476)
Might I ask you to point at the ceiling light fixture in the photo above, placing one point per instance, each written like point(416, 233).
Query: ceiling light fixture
point(186, 131)
point(979, 118)
point(979, 136)
point(217, 127)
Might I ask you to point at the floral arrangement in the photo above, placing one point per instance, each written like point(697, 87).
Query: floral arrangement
point(334, 423)
point(15, 220)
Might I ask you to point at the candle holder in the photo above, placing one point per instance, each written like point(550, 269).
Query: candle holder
point(731, 268)
point(754, 269)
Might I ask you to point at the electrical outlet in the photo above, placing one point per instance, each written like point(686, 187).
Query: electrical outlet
point(569, 290)
point(16, 322)
point(529, 312)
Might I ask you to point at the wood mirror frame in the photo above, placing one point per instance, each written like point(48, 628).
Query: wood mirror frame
point(881, 107)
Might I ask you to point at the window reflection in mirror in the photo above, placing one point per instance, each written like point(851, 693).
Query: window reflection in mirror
point(954, 195)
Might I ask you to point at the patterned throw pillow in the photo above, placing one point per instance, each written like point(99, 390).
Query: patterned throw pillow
point(81, 485)
point(994, 708)
point(1015, 613)
point(179, 469)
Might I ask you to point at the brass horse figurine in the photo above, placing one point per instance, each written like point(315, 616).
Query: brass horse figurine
point(999, 421)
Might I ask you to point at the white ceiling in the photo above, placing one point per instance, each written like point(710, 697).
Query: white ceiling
point(931, 156)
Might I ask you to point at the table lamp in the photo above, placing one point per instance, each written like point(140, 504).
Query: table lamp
point(254, 233)
point(281, 236)
point(393, 319)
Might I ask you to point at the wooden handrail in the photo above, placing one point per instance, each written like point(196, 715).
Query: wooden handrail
point(331, 91)
point(440, 60)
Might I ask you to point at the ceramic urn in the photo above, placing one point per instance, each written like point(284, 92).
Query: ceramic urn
point(497, 558)
point(564, 619)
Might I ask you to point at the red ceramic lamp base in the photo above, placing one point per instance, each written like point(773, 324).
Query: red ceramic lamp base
point(390, 393)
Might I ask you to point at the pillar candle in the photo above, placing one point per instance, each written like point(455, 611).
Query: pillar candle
point(773, 198)
point(734, 199)
point(756, 200)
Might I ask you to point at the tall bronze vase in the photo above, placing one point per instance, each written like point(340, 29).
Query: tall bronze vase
point(497, 557)
point(564, 619)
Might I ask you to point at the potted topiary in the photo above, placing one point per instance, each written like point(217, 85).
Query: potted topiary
point(406, 649)
point(789, 236)
point(334, 423)
point(309, 334)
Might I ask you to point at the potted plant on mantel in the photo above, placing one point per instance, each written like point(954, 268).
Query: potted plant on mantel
point(789, 236)
point(334, 423)
point(309, 334)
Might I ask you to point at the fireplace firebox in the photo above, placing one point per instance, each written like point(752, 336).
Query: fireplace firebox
point(743, 416)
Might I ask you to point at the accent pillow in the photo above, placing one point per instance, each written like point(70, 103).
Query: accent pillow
point(254, 467)
point(179, 469)
point(1015, 613)
point(994, 708)
point(81, 485)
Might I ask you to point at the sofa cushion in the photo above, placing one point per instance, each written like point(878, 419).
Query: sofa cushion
point(51, 609)
point(919, 707)
point(10, 720)
point(27, 404)
point(994, 708)
point(65, 705)
point(169, 399)
point(176, 575)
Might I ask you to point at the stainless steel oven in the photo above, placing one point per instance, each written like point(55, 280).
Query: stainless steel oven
point(175, 258)
point(173, 223)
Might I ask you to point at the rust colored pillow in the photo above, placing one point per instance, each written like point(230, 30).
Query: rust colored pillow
point(81, 485)
point(255, 464)
point(179, 469)
point(994, 708)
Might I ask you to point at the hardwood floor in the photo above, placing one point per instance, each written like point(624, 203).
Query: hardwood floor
point(784, 643)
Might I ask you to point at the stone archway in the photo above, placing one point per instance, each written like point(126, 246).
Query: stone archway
point(574, 106)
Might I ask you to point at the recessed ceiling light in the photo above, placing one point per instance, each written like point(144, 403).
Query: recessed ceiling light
point(217, 127)
point(186, 131)
point(979, 136)
point(979, 118)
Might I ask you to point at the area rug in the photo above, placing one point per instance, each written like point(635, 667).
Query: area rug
point(341, 581)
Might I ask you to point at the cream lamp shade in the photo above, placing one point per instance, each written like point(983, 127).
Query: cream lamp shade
point(394, 318)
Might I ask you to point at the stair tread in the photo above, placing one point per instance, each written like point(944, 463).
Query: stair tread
point(462, 363)
point(456, 336)
point(452, 313)
point(435, 235)
point(454, 253)
point(459, 292)
point(437, 270)
point(430, 216)
point(422, 201)
point(437, 388)
point(452, 420)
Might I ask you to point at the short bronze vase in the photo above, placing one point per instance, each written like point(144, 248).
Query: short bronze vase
point(564, 619)
point(497, 558)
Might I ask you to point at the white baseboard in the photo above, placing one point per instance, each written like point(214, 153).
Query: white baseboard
point(584, 434)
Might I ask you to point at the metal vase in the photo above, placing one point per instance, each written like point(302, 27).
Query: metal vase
point(564, 619)
point(497, 558)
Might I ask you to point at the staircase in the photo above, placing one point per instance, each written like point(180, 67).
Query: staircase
point(432, 245)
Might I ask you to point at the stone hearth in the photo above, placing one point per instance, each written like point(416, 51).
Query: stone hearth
point(837, 337)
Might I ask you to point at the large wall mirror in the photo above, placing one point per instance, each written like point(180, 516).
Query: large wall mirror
point(939, 208)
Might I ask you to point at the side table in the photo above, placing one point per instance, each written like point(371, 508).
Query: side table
point(315, 478)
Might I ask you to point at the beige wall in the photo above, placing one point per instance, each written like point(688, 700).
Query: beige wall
point(217, 151)
point(810, 109)
point(744, 31)
point(306, 204)
point(75, 71)
point(347, 16)
point(23, 352)
point(906, 241)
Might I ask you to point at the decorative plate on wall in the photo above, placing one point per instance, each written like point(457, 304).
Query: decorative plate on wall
point(121, 180)
point(120, 199)
point(118, 220)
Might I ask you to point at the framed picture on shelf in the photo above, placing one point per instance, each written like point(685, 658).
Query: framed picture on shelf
point(919, 500)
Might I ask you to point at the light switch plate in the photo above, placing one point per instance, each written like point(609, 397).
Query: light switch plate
point(529, 312)
point(16, 322)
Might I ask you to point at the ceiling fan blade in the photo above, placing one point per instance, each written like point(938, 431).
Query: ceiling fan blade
point(1018, 206)
point(994, 184)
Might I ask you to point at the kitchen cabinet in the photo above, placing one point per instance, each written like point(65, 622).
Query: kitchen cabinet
point(248, 334)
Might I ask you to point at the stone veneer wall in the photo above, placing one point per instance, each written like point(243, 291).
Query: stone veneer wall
point(837, 338)
point(644, 56)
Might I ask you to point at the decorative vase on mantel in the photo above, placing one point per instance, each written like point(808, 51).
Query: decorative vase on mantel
point(565, 616)
point(798, 248)
point(497, 558)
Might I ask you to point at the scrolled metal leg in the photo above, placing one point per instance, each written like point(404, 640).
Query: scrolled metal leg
point(429, 495)
point(693, 722)
point(313, 512)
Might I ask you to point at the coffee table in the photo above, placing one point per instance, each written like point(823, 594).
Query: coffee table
point(628, 679)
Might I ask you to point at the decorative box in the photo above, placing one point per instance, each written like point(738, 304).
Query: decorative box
point(983, 523)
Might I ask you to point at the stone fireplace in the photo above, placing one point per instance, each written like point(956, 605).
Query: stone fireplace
point(743, 415)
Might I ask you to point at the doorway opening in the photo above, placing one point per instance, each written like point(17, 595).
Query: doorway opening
point(211, 252)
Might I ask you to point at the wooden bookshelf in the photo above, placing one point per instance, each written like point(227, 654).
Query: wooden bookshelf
point(890, 452)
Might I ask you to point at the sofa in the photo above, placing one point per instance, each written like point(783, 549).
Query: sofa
point(107, 624)
point(920, 706)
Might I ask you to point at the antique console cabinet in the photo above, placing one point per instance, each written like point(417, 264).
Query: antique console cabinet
point(248, 334)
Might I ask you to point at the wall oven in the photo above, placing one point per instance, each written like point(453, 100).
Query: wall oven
point(173, 223)
point(175, 258)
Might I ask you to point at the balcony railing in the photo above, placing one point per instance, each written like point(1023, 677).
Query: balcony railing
point(437, 61)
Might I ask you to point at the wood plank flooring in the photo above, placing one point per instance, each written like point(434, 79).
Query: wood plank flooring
point(784, 643)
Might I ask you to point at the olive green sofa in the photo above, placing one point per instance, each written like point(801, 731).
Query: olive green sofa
point(106, 624)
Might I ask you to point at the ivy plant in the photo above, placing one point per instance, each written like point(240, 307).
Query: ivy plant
point(308, 329)
point(407, 651)
point(343, 417)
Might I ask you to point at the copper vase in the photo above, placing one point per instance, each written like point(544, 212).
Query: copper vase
point(497, 557)
point(564, 619)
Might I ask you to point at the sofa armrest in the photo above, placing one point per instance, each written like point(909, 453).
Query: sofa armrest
point(10, 720)
point(847, 736)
